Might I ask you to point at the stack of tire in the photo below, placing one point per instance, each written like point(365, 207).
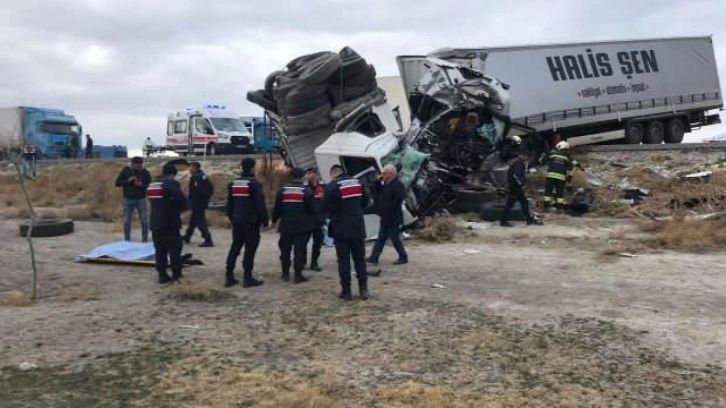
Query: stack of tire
point(308, 90)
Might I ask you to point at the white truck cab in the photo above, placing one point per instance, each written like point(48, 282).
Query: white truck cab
point(211, 130)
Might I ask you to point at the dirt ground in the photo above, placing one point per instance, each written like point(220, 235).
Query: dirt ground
point(537, 316)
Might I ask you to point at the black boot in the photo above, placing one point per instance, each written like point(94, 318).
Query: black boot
point(314, 266)
point(176, 276)
point(345, 293)
point(363, 289)
point(163, 277)
point(286, 272)
point(229, 279)
point(249, 281)
point(299, 278)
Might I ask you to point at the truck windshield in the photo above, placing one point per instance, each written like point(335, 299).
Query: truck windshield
point(229, 125)
point(61, 128)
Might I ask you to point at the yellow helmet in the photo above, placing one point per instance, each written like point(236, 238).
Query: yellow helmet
point(562, 145)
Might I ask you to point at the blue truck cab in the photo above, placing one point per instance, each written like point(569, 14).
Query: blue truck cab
point(54, 133)
point(266, 140)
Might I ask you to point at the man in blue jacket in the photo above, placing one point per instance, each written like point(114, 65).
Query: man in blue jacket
point(200, 192)
point(389, 194)
point(167, 203)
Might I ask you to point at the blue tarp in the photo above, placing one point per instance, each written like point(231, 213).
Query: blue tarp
point(131, 251)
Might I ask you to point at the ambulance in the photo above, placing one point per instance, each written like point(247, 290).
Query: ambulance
point(211, 130)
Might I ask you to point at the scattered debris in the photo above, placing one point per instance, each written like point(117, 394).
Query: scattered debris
point(437, 286)
point(27, 366)
point(627, 255)
point(472, 251)
point(702, 175)
point(438, 228)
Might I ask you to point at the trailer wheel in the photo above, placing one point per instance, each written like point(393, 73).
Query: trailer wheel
point(655, 133)
point(633, 133)
point(675, 131)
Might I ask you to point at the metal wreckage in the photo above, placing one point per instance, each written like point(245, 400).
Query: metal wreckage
point(327, 109)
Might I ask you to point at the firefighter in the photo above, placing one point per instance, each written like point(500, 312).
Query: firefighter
point(312, 177)
point(344, 202)
point(516, 179)
point(559, 164)
point(295, 210)
point(200, 192)
point(167, 203)
point(247, 212)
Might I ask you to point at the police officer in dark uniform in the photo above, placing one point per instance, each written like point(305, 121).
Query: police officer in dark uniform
point(167, 203)
point(295, 209)
point(247, 211)
point(516, 179)
point(200, 191)
point(344, 202)
point(312, 176)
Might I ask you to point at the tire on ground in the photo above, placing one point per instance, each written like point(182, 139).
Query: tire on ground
point(655, 133)
point(675, 131)
point(493, 211)
point(320, 70)
point(471, 200)
point(633, 132)
point(45, 228)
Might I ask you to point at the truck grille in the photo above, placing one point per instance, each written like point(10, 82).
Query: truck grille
point(240, 140)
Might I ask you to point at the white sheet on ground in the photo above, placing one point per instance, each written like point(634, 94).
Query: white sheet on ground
point(134, 251)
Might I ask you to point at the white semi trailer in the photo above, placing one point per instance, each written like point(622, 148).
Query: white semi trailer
point(639, 91)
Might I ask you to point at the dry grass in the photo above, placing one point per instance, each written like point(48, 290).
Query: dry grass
point(79, 293)
point(690, 235)
point(15, 298)
point(87, 191)
point(439, 228)
point(192, 290)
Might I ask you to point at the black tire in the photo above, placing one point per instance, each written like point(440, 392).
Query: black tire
point(675, 131)
point(260, 98)
point(303, 99)
point(352, 65)
point(211, 149)
point(655, 134)
point(298, 62)
point(633, 133)
point(45, 228)
point(365, 77)
point(493, 211)
point(320, 70)
point(270, 84)
point(315, 119)
point(354, 92)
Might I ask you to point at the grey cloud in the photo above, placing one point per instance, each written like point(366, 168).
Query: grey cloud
point(167, 55)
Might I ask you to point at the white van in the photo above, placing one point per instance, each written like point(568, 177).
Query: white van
point(211, 130)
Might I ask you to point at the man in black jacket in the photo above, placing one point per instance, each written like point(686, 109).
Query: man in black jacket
point(167, 203)
point(247, 211)
point(134, 179)
point(516, 179)
point(344, 201)
point(389, 195)
point(312, 176)
point(295, 209)
point(200, 191)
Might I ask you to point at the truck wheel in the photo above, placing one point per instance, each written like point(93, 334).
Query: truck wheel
point(633, 133)
point(45, 228)
point(211, 149)
point(675, 131)
point(655, 133)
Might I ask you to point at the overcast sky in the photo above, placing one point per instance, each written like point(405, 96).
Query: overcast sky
point(120, 66)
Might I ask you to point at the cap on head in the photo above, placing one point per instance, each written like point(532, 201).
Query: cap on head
point(562, 146)
point(313, 169)
point(248, 164)
point(297, 172)
point(137, 160)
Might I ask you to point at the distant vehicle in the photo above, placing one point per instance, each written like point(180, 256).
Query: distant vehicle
point(266, 139)
point(211, 130)
point(716, 139)
point(52, 132)
point(640, 91)
point(110, 152)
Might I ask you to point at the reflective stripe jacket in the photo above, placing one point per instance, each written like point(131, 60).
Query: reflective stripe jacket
point(294, 208)
point(344, 201)
point(246, 202)
point(559, 164)
point(167, 203)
